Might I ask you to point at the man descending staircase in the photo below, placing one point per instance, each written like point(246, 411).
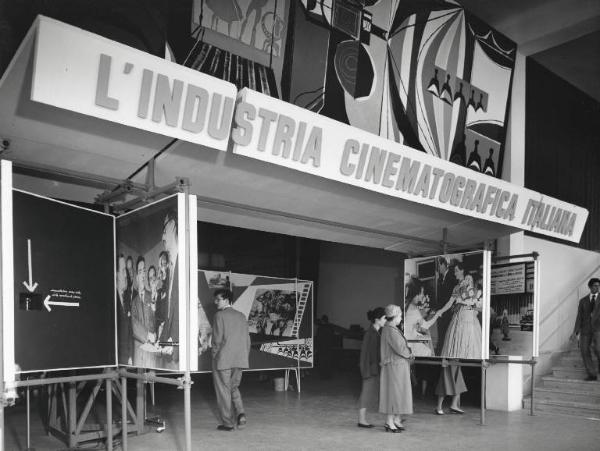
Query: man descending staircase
point(565, 391)
point(574, 388)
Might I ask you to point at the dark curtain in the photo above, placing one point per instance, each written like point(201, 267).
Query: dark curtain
point(562, 145)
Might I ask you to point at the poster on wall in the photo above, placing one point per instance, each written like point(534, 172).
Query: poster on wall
point(446, 305)
point(512, 309)
point(279, 313)
point(64, 311)
point(151, 285)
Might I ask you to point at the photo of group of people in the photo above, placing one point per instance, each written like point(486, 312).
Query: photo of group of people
point(444, 301)
point(273, 312)
point(147, 287)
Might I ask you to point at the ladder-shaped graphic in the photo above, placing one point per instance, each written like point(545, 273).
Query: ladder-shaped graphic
point(300, 308)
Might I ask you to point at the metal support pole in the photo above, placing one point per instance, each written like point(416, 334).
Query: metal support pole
point(2, 417)
point(151, 377)
point(124, 412)
point(72, 415)
point(109, 421)
point(139, 405)
point(483, 382)
point(445, 240)
point(531, 408)
point(28, 422)
point(187, 408)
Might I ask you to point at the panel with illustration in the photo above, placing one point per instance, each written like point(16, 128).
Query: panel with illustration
point(279, 313)
point(241, 41)
point(445, 305)
point(151, 290)
point(427, 74)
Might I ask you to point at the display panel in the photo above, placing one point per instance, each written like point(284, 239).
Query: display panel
point(512, 309)
point(446, 305)
point(64, 314)
point(279, 313)
point(151, 286)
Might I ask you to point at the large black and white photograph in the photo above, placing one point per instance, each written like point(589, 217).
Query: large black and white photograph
point(512, 309)
point(444, 306)
point(273, 312)
point(148, 289)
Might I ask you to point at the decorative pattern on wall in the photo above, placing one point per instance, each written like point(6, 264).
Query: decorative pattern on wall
point(242, 72)
point(256, 23)
point(424, 73)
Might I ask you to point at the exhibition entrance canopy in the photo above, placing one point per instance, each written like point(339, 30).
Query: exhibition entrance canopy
point(77, 104)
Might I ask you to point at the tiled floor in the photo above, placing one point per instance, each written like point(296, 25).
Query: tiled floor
point(324, 417)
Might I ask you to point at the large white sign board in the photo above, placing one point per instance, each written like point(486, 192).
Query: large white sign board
point(273, 131)
point(83, 72)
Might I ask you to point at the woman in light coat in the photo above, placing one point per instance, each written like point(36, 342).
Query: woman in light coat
point(395, 395)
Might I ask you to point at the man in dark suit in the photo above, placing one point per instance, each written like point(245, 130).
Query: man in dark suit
point(587, 327)
point(230, 349)
point(446, 281)
point(142, 319)
point(125, 334)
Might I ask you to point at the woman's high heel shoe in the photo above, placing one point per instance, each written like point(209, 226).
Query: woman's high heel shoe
point(400, 426)
point(388, 428)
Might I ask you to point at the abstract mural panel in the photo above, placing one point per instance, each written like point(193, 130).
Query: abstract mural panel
point(425, 73)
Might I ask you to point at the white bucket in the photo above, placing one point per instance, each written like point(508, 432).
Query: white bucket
point(279, 384)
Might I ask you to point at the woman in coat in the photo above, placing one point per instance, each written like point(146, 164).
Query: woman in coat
point(395, 394)
point(369, 366)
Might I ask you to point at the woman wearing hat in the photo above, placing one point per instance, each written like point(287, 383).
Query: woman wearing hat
point(395, 394)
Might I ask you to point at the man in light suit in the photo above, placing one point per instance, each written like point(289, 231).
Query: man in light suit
point(587, 327)
point(170, 295)
point(230, 349)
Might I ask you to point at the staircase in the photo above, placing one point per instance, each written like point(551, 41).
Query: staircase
point(565, 392)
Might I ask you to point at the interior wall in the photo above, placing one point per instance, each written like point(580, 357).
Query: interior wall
point(564, 273)
point(354, 279)
point(562, 141)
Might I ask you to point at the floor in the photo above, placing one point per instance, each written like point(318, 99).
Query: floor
point(324, 417)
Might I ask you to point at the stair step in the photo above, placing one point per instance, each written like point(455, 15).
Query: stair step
point(567, 394)
point(575, 409)
point(572, 363)
point(569, 372)
point(574, 384)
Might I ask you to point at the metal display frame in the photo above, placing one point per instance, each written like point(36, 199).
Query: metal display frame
point(532, 361)
point(287, 370)
point(63, 418)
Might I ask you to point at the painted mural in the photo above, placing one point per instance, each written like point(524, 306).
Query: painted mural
point(255, 23)
point(425, 73)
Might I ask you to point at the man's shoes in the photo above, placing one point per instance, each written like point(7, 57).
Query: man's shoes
point(591, 378)
point(222, 427)
point(241, 420)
